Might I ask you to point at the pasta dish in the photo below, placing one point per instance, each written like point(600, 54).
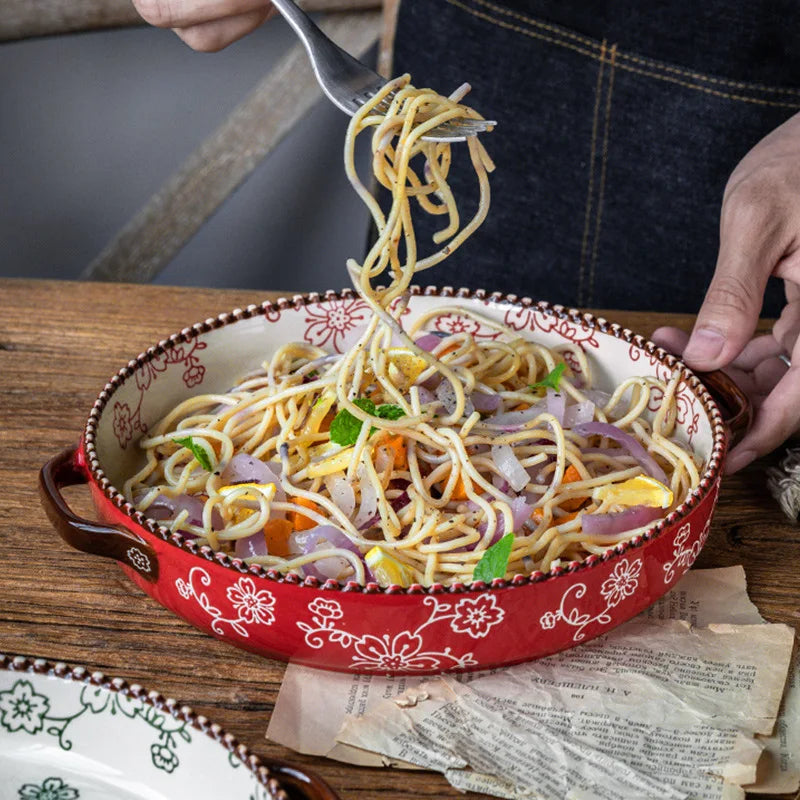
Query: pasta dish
point(416, 457)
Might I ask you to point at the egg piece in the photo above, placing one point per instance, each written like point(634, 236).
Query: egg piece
point(387, 570)
point(639, 491)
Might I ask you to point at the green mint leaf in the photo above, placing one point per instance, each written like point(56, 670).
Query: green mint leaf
point(494, 562)
point(345, 428)
point(365, 404)
point(198, 451)
point(389, 411)
point(552, 379)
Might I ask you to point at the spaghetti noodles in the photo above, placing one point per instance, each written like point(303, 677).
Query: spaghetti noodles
point(405, 459)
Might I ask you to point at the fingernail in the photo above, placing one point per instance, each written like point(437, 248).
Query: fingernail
point(738, 459)
point(705, 344)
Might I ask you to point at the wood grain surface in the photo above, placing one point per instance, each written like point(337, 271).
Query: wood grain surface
point(59, 343)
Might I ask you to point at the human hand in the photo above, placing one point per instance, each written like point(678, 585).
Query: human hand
point(206, 25)
point(759, 237)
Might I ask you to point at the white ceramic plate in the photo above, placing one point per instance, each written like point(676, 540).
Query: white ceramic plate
point(69, 734)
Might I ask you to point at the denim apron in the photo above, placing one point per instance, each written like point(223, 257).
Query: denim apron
point(619, 124)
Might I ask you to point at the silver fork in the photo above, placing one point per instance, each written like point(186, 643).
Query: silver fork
point(349, 84)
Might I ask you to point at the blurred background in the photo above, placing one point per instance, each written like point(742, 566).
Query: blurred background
point(92, 124)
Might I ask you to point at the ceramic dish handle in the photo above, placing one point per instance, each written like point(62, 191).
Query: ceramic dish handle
point(90, 537)
point(303, 785)
point(735, 405)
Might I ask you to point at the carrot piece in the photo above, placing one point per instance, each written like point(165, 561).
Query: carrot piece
point(398, 447)
point(571, 475)
point(276, 533)
point(300, 522)
point(325, 425)
point(460, 490)
point(449, 349)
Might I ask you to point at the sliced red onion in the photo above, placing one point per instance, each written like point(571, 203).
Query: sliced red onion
point(556, 405)
point(167, 508)
point(521, 512)
point(426, 396)
point(625, 440)
point(500, 483)
point(384, 458)
point(498, 534)
point(433, 382)
point(618, 522)
point(369, 504)
point(598, 397)
point(446, 395)
point(244, 468)
point(429, 341)
point(318, 362)
point(322, 537)
point(509, 466)
point(511, 421)
point(487, 403)
point(399, 503)
point(255, 545)
point(342, 493)
point(579, 413)
point(319, 537)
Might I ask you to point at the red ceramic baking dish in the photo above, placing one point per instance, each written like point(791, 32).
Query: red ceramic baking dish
point(349, 627)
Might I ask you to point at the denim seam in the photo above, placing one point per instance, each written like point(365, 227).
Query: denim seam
point(592, 48)
point(587, 217)
point(603, 171)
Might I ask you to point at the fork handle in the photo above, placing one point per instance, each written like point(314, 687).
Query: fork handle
point(324, 53)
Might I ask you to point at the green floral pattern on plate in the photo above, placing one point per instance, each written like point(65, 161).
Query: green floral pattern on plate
point(54, 722)
point(51, 789)
point(23, 709)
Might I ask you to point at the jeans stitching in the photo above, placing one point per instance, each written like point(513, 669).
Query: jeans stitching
point(603, 170)
point(590, 185)
point(592, 50)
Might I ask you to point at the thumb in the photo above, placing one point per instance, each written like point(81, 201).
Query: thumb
point(729, 314)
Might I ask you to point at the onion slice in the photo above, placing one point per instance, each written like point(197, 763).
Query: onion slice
point(323, 537)
point(486, 403)
point(625, 440)
point(509, 466)
point(369, 503)
point(521, 511)
point(618, 522)
point(429, 341)
point(250, 546)
point(578, 413)
point(244, 468)
point(511, 421)
point(556, 405)
point(446, 395)
point(343, 494)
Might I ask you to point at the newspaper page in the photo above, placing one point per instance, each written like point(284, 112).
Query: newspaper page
point(674, 713)
point(297, 723)
point(779, 768)
point(702, 597)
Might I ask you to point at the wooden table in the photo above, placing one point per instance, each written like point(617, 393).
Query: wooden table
point(59, 343)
